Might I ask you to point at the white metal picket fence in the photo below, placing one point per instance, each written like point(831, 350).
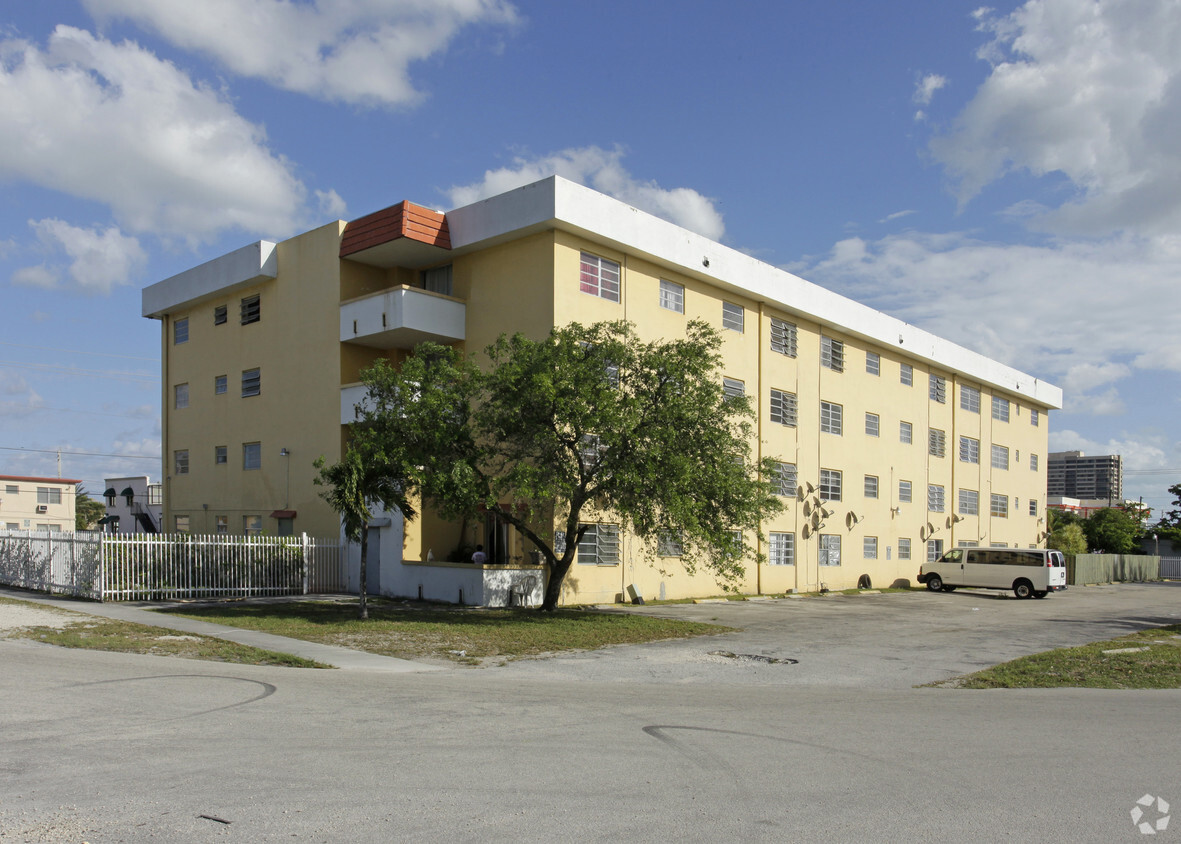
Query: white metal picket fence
point(1170, 567)
point(154, 567)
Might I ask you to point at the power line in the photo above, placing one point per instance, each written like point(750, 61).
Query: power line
point(113, 374)
point(34, 408)
point(76, 352)
point(78, 453)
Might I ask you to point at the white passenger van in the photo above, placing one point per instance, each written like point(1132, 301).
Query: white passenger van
point(1028, 572)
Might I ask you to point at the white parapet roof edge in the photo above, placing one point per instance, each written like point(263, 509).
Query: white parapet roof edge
point(557, 202)
point(234, 269)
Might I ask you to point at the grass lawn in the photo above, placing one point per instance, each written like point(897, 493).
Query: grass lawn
point(424, 631)
point(1150, 659)
point(103, 634)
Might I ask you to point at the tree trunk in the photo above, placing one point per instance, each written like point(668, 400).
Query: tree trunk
point(364, 610)
point(557, 575)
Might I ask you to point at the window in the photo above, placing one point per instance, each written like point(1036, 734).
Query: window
point(873, 363)
point(830, 484)
point(969, 398)
point(11, 489)
point(904, 492)
point(934, 550)
point(672, 296)
point(781, 549)
point(251, 382)
point(869, 547)
point(252, 525)
point(998, 545)
point(871, 486)
point(599, 546)
point(1000, 457)
point(220, 455)
point(830, 418)
point(599, 277)
point(181, 392)
point(783, 337)
point(220, 314)
point(181, 523)
point(999, 506)
point(1033, 462)
point(903, 548)
point(1033, 506)
point(969, 450)
point(872, 424)
point(732, 316)
point(969, 504)
point(906, 374)
point(180, 462)
point(935, 498)
point(49, 495)
point(785, 480)
point(936, 443)
point(590, 447)
point(251, 309)
point(180, 331)
point(670, 544)
point(251, 455)
point(905, 432)
point(12, 525)
point(1033, 417)
point(967, 543)
point(830, 549)
point(733, 388)
point(219, 385)
point(832, 354)
point(937, 388)
point(437, 280)
point(223, 525)
point(1000, 408)
point(783, 408)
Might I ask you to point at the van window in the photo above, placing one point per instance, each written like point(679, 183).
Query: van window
point(952, 556)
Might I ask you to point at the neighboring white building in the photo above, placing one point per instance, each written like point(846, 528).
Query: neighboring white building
point(134, 505)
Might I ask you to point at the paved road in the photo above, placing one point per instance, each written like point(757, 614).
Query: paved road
point(656, 743)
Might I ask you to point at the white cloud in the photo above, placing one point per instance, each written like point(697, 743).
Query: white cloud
point(602, 170)
point(114, 123)
point(17, 397)
point(355, 51)
point(897, 215)
point(926, 87)
point(1088, 89)
point(100, 259)
point(1079, 311)
point(331, 205)
point(36, 276)
point(1139, 451)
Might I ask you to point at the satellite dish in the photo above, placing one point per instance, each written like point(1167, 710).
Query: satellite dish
point(825, 512)
point(923, 534)
point(950, 522)
point(807, 508)
point(801, 493)
point(851, 519)
point(930, 528)
point(816, 521)
point(806, 532)
point(811, 489)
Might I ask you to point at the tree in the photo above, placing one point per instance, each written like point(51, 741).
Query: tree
point(590, 423)
point(87, 511)
point(362, 476)
point(1069, 539)
point(1112, 531)
point(1169, 524)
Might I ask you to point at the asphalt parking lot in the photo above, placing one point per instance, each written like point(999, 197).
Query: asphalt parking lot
point(887, 640)
point(668, 741)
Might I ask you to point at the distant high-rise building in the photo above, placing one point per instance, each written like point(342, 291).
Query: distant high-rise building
point(1074, 475)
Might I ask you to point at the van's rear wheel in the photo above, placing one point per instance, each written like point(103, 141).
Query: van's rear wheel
point(934, 582)
point(1023, 589)
point(1040, 594)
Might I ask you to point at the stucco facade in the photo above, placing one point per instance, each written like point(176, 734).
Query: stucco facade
point(896, 443)
point(40, 504)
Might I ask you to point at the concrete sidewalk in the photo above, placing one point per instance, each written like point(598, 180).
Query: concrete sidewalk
point(140, 613)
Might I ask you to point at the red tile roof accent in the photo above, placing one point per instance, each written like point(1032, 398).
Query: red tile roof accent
point(38, 480)
point(402, 220)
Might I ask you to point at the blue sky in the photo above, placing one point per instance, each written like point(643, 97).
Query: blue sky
point(1006, 177)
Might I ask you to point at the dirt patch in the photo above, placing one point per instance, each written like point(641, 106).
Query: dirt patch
point(14, 616)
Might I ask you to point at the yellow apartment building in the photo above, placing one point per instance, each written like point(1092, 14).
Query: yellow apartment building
point(39, 504)
point(895, 444)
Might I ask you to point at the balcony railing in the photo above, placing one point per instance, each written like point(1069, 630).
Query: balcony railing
point(401, 318)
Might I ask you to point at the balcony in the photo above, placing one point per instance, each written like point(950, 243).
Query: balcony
point(351, 395)
point(401, 318)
